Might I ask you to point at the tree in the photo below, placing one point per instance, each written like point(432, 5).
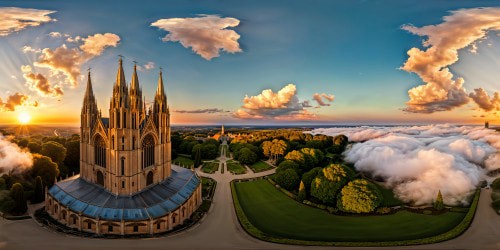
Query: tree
point(197, 156)
point(316, 155)
point(54, 150)
point(23, 142)
point(340, 140)
point(247, 156)
point(302, 192)
point(72, 159)
point(315, 144)
point(439, 203)
point(34, 147)
point(17, 194)
point(274, 149)
point(3, 185)
point(44, 167)
point(326, 185)
point(288, 164)
point(309, 176)
point(38, 195)
point(287, 179)
point(359, 196)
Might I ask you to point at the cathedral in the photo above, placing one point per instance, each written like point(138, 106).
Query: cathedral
point(127, 184)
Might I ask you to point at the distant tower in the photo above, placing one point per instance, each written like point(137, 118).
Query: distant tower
point(222, 130)
point(486, 125)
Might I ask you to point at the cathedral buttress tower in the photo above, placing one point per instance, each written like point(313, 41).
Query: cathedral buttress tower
point(161, 116)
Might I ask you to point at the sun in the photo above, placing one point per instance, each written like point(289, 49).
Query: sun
point(24, 117)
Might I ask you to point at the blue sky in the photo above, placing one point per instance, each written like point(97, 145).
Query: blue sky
point(351, 49)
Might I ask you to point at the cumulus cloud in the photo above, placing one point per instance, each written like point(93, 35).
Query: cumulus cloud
point(12, 157)
point(206, 35)
point(201, 111)
point(65, 61)
point(484, 101)
point(443, 91)
point(15, 100)
point(55, 34)
point(419, 161)
point(39, 83)
point(283, 104)
point(319, 99)
point(14, 19)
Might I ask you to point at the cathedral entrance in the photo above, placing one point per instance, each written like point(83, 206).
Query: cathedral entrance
point(149, 178)
point(100, 178)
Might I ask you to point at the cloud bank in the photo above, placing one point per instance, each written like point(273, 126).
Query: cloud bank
point(16, 100)
point(14, 19)
point(443, 91)
point(206, 35)
point(12, 157)
point(419, 161)
point(201, 111)
point(64, 63)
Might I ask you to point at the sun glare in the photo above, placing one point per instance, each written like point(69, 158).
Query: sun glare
point(24, 118)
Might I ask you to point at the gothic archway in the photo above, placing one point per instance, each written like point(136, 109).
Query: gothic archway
point(148, 151)
point(100, 178)
point(100, 152)
point(149, 178)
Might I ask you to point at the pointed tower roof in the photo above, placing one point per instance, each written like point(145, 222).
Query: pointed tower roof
point(160, 90)
point(135, 80)
point(89, 93)
point(120, 76)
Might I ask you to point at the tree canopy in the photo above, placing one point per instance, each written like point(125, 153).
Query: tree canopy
point(287, 179)
point(44, 167)
point(359, 196)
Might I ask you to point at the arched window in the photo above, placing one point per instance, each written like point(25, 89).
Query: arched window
point(100, 178)
point(148, 151)
point(100, 152)
point(133, 142)
point(122, 165)
point(149, 179)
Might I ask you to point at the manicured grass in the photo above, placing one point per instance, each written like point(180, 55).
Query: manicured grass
point(235, 167)
point(260, 166)
point(277, 216)
point(390, 199)
point(183, 161)
point(210, 167)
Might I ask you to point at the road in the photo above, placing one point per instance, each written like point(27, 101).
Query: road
point(220, 230)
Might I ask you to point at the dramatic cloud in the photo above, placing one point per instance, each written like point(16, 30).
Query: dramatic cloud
point(319, 99)
point(484, 101)
point(12, 157)
point(201, 111)
point(14, 19)
point(421, 160)
point(273, 105)
point(65, 61)
point(442, 90)
point(206, 35)
point(15, 100)
point(39, 83)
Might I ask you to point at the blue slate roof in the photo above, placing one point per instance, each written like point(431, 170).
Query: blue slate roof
point(155, 201)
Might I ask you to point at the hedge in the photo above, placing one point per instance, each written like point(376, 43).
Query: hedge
point(257, 233)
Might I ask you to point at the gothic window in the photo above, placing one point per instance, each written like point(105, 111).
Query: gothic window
point(100, 178)
point(133, 142)
point(122, 165)
point(100, 152)
point(124, 119)
point(148, 151)
point(113, 142)
point(149, 178)
point(136, 228)
point(110, 228)
point(118, 122)
point(123, 184)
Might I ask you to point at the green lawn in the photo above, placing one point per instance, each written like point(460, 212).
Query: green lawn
point(235, 167)
point(210, 167)
point(275, 214)
point(183, 161)
point(260, 166)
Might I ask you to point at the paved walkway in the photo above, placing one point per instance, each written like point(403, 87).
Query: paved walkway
point(220, 230)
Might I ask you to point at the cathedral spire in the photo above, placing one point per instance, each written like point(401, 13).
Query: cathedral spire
point(120, 76)
point(134, 86)
point(160, 91)
point(89, 94)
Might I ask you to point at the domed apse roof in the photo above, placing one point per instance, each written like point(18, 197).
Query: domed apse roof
point(94, 201)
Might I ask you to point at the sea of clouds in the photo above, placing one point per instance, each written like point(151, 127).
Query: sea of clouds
point(419, 161)
point(12, 157)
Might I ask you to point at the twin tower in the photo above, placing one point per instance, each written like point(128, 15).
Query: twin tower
point(131, 149)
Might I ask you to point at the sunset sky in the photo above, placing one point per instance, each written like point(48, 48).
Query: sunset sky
point(257, 62)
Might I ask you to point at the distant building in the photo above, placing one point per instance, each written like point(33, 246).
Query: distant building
point(486, 125)
point(127, 184)
point(221, 136)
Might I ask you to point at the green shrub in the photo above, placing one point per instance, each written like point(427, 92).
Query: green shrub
point(496, 205)
point(302, 192)
point(439, 204)
point(495, 196)
point(359, 196)
point(288, 179)
point(383, 210)
point(495, 185)
point(17, 194)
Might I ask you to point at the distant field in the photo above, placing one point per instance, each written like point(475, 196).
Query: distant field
point(235, 167)
point(260, 166)
point(183, 161)
point(275, 214)
point(210, 167)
